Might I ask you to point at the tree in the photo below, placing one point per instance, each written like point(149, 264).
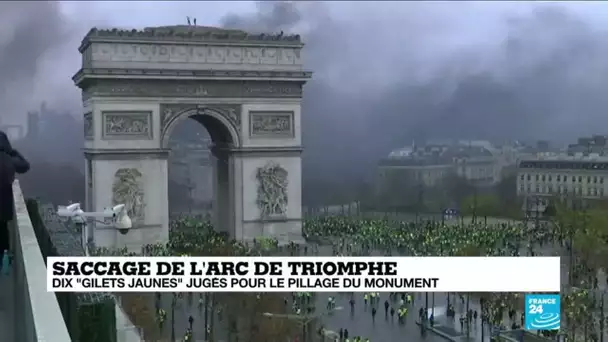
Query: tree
point(482, 205)
point(397, 189)
point(506, 188)
point(587, 229)
point(141, 314)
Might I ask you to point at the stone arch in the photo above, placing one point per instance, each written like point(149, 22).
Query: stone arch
point(181, 72)
point(222, 122)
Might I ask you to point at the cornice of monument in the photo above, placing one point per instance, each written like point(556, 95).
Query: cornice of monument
point(189, 34)
point(293, 76)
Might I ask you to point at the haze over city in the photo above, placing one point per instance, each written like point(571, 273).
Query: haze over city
point(384, 75)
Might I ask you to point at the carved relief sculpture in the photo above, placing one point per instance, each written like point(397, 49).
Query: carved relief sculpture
point(127, 125)
point(269, 124)
point(88, 126)
point(272, 190)
point(128, 190)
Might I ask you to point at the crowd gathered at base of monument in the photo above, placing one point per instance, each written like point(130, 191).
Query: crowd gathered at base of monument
point(348, 236)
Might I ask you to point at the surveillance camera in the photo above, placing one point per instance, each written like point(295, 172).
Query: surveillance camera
point(118, 208)
point(69, 210)
point(122, 220)
point(116, 215)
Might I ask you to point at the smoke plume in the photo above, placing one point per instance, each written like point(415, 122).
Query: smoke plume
point(417, 71)
point(385, 74)
point(34, 38)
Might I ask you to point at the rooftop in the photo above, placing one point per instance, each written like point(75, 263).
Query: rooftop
point(188, 34)
point(565, 164)
point(592, 157)
point(435, 154)
point(414, 161)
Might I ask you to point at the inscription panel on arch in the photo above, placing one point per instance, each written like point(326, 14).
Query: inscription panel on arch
point(127, 125)
point(271, 124)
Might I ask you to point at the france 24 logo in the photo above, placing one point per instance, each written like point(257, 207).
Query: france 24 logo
point(542, 312)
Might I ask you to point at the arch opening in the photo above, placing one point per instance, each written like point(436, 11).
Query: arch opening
point(199, 176)
point(220, 129)
point(217, 130)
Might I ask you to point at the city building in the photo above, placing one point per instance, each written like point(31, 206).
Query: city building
point(426, 165)
point(33, 125)
point(429, 175)
point(577, 179)
point(476, 161)
point(596, 144)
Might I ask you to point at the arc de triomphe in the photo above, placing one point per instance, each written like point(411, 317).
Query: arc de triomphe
point(245, 89)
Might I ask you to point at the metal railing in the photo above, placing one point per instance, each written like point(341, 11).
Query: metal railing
point(37, 315)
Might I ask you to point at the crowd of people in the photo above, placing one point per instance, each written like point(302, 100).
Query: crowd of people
point(353, 236)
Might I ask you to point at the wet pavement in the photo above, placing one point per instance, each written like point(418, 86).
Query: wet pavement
point(359, 320)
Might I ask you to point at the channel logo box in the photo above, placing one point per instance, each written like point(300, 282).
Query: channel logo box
point(542, 312)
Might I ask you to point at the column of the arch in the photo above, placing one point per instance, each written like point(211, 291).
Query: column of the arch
point(153, 167)
point(223, 197)
point(127, 154)
point(215, 190)
point(287, 227)
point(266, 144)
point(236, 183)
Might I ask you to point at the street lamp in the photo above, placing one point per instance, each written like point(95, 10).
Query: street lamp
point(467, 316)
point(206, 307)
point(481, 302)
point(173, 303)
point(474, 219)
point(602, 317)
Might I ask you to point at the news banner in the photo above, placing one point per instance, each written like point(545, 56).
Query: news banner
point(303, 274)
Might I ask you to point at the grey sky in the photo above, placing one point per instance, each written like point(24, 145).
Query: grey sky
point(387, 72)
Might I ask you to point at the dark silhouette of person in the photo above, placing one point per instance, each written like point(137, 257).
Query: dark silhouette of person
point(11, 162)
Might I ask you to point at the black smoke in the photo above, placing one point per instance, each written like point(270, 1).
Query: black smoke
point(34, 39)
point(384, 75)
point(380, 83)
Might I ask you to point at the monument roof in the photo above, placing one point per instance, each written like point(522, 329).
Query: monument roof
point(188, 33)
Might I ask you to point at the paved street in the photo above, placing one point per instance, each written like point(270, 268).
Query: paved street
point(359, 320)
point(386, 328)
